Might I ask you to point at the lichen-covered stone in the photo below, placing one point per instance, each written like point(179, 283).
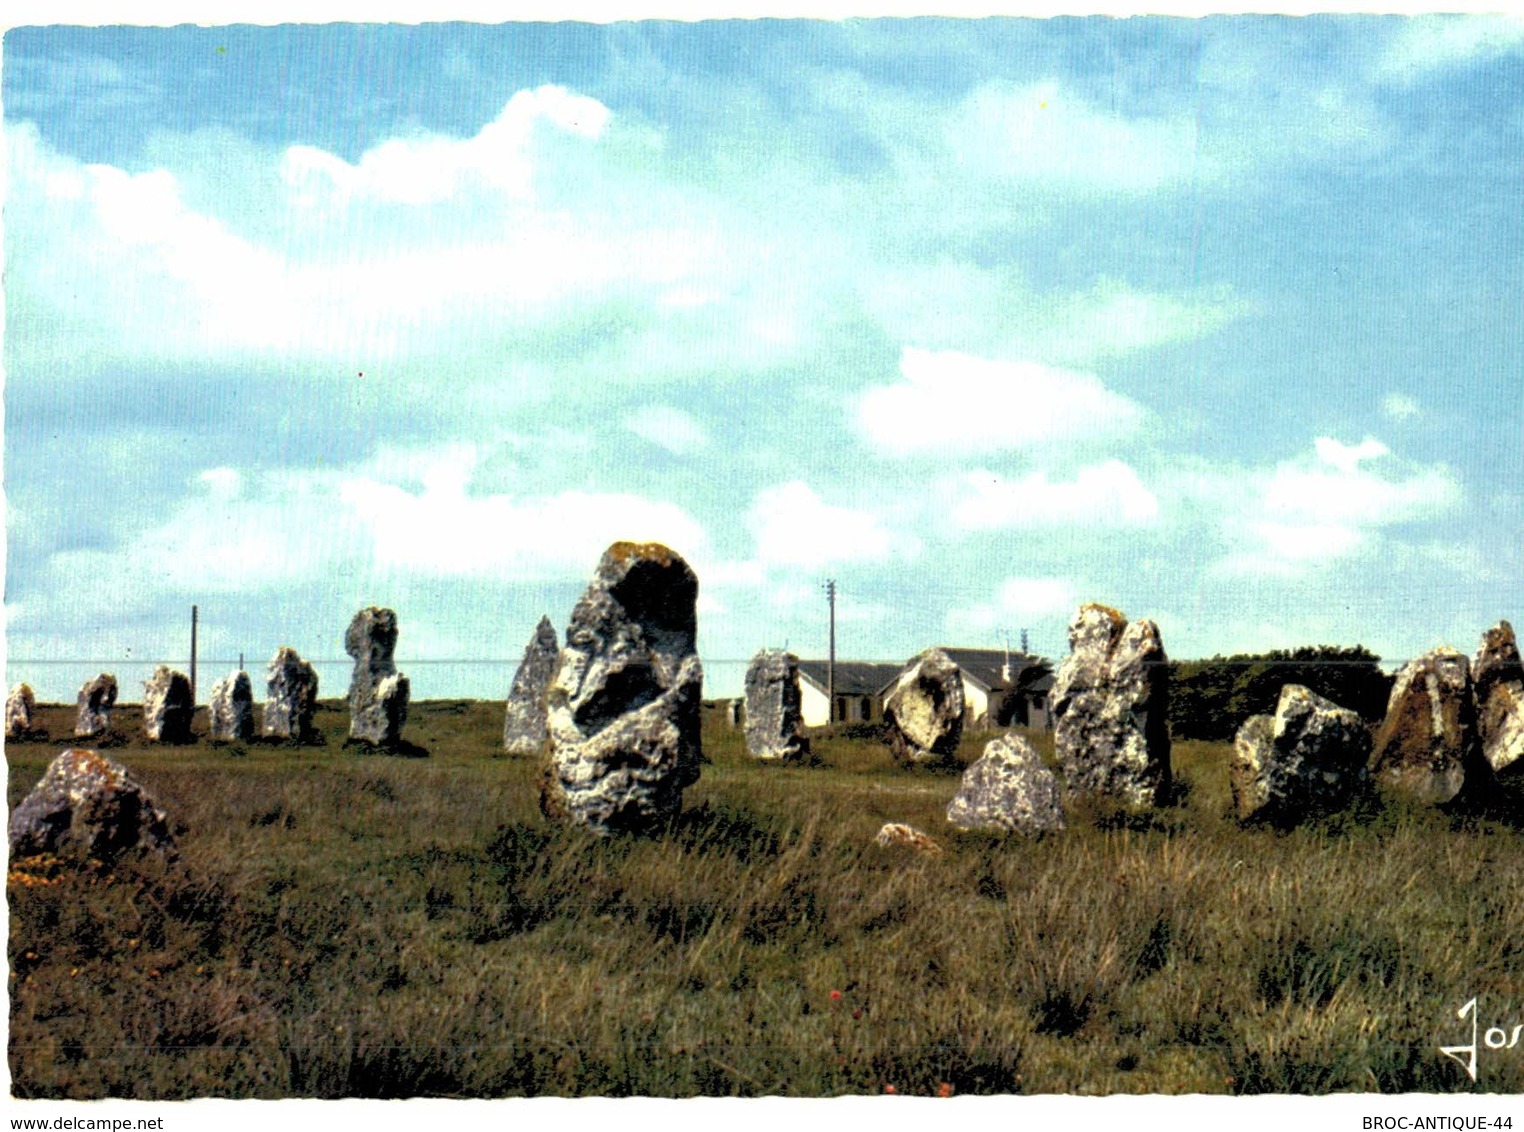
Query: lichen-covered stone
point(898, 834)
point(1427, 748)
point(378, 694)
point(1498, 677)
point(524, 717)
point(291, 690)
point(96, 699)
point(1111, 707)
point(923, 714)
point(87, 804)
point(167, 706)
point(1008, 788)
point(231, 709)
point(1309, 758)
point(624, 704)
point(20, 711)
point(773, 714)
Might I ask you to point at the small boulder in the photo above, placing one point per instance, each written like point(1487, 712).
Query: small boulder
point(1308, 759)
point(1111, 707)
point(96, 699)
point(87, 803)
point(923, 714)
point(232, 709)
point(898, 834)
point(1427, 748)
point(1498, 677)
point(20, 712)
point(524, 718)
point(773, 714)
point(167, 706)
point(291, 688)
point(1008, 788)
point(623, 709)
point(378, 693)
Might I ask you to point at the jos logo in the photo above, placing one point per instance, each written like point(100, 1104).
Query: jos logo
point(1495, 1038)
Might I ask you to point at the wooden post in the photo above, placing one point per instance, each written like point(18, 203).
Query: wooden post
point(194, 613)
point(831, 655)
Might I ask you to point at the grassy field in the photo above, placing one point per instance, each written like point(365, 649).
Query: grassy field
point(342, 924)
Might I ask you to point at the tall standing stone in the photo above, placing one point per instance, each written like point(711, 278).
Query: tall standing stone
point(167, 706)
point(923, 714)
point(20, 711)
point(624, 704)
point(1428, 748)
point(96, 699)
point(291, 688)
point(378, 693)
point(1498, 676)
point(524, 718)
point(1009, 789)
point(773, 713)
point(1309, 758)
point(232, 709)
point(88, 804)
point(1111, 706)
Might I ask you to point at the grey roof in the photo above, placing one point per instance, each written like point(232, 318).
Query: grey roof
point(853, 677)
point(985, 666)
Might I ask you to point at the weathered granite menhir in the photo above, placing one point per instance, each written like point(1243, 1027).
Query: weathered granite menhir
point(20, 712)
point(231, 709)
point(291, 689)
point(923, 714)
point(1428, 748)
point(87, 804)
point(524, 716)
point(1008, 788)
point(1308, 759)
point(96, 699)
point(773, 713)
point(623, 708)
point(1498, 677)
point(167, 706)
point(378, 693)
point(1111, 707)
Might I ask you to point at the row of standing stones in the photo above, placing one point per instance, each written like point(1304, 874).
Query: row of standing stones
point(89, 802)
point(378, 697)
point(614, 711)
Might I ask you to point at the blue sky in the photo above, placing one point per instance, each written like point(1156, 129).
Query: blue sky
point(1212, 320)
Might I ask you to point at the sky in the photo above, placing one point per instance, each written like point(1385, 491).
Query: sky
point(1213, 320)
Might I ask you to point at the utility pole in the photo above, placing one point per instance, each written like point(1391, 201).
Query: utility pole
point(830, 589)
point(194, 616)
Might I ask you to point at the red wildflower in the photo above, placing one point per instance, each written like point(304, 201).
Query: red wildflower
point(836, 996)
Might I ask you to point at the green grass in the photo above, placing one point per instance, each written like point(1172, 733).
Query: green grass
point(343, 924)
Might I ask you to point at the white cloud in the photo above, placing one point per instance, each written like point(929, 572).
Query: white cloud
point(1399, 406)
point(793, 526)
point(433, 167)
point(1108, 494)
point(669, 428)
point(444, 530)
point(1346, 457)
point(956, 402)
point(1020, 600)
point(1045, 133)
point(1429, 43)
point(1308, 512)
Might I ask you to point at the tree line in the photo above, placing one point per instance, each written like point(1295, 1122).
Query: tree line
point(1210, 699)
